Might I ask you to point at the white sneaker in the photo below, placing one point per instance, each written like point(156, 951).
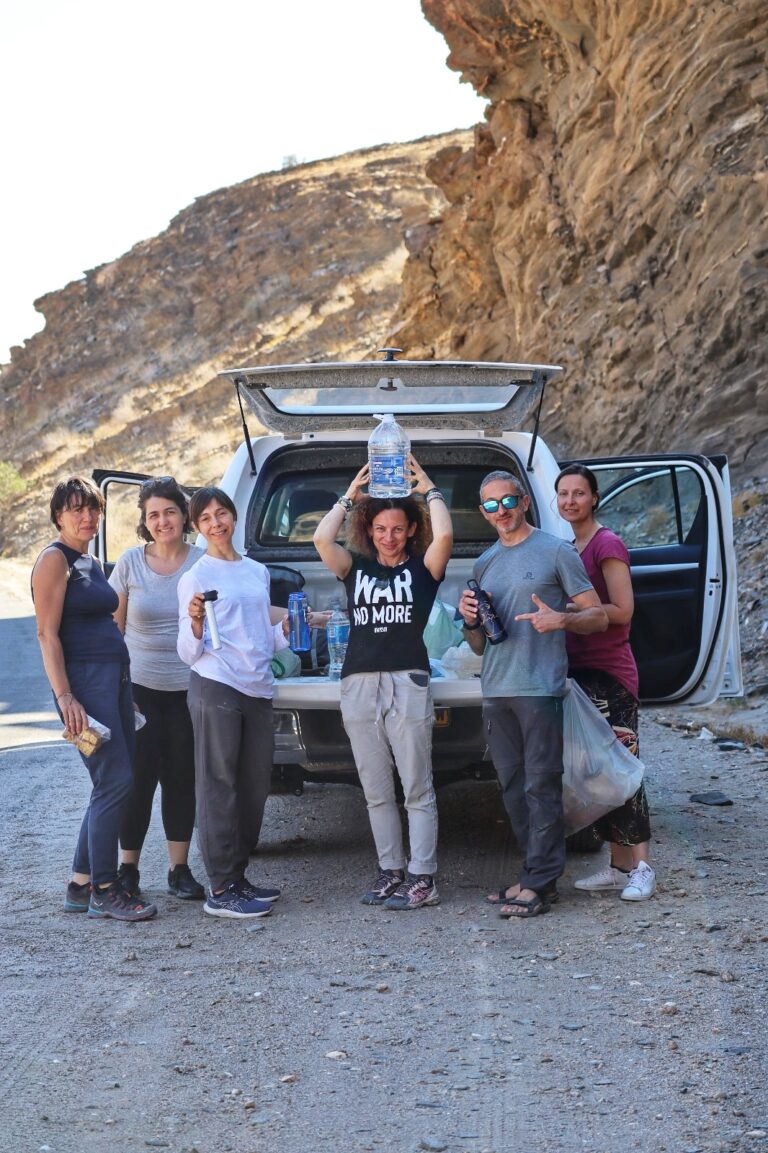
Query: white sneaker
point(641, 885)
point(608, 880)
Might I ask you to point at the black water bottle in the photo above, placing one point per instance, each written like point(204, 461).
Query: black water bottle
point(486, 615)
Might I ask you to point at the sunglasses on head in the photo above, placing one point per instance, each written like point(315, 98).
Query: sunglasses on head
point(511, 500)
point(156, 480)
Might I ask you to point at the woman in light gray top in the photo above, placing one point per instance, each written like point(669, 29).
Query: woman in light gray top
point(146, 579)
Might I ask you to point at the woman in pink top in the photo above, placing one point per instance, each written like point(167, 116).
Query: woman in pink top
point(604, 666)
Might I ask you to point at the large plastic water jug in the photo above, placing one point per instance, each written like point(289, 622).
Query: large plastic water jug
point(388, 449)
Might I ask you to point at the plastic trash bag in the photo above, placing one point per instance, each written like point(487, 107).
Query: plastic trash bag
point(599, 773)
point(441, 632)
point(461, 662)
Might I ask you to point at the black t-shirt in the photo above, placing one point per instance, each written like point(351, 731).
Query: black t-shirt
point(388, 612)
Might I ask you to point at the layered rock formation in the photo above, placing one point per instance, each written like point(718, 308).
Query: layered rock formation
point(303, 264)
point(609, 216)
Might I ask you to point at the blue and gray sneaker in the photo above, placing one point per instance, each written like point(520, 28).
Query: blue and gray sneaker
point(387, 883)
point(236, 903)
point(115, 902)
point(414, 893)
point(256, 892)
point(77, 898)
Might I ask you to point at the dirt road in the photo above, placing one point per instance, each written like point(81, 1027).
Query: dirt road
point(604, 1026)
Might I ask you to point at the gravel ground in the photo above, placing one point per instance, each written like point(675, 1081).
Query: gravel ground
point(330, 1026)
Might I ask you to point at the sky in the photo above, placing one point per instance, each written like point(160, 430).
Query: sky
point(116, 116)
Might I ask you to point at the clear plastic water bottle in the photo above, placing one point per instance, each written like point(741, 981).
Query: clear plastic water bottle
point(337, 633)
point(299, 636)
point(388, 448)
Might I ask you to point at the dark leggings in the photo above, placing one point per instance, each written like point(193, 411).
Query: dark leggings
point(165, 755)
point(631, 824)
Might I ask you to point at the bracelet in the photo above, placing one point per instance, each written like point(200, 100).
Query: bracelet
point(346, 503)
point(435, 494)
point(471, 628)
point(432, 492)
point(68, 693)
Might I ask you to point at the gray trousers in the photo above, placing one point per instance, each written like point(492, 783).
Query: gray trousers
point(388, 718)
point(525, 737)
point(234, 742)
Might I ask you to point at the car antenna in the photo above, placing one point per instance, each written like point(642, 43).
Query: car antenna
point(246, 435)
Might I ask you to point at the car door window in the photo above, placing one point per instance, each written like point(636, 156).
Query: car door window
point(650, 507)
point(121, 519)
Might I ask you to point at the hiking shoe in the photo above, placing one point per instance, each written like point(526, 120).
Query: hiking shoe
point(115, 902)
point(254, 892)
point(183, 885)
point(413, 893)
point(235, 903)
point(386, 884)
point(608, 880)
point(641, 885)
point(128, 879)
point(77, 897)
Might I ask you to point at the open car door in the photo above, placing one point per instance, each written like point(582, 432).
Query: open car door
point(117, 531)
point(673, 512)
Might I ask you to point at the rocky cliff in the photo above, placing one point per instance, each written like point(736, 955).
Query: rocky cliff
point(610, 216)
point(303, 264)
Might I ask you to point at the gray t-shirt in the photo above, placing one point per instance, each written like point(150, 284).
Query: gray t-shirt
point(152, 619)
point(527, 663)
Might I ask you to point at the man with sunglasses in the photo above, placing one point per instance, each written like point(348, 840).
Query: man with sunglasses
point(539, 588)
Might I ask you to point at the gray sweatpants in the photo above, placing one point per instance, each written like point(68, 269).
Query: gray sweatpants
point(234, 742)
point(525, 737)
point(388, 718)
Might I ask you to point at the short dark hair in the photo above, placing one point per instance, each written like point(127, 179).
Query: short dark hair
point(167, 488)
point(584, 471)
point(75, 492)
point(501, 474)
point(203, 497)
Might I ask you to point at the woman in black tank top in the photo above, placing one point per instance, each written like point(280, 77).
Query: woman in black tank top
point(87, 665)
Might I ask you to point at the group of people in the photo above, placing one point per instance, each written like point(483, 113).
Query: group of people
point(129, 653)
point(194, 716)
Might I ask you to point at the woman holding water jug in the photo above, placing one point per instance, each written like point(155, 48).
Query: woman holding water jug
point(398, 550)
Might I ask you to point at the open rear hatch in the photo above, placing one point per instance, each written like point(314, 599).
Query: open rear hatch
point(297, 398)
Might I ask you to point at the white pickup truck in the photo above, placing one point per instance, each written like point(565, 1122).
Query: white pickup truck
point(464, 419)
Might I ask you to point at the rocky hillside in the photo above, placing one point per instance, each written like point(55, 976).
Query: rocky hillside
point(303, 264)
point(611, 214)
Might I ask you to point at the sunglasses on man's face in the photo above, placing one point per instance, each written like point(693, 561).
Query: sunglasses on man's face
point(511, 500)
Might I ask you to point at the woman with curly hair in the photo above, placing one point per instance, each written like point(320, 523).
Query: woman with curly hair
point(396, 558)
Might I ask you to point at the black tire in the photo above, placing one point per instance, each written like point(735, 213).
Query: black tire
point(585, 841)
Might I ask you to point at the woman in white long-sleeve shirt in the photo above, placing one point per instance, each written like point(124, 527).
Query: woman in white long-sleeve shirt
point(230, 702)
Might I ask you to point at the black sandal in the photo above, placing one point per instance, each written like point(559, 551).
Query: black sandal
point(499, 898)
point(531, 908)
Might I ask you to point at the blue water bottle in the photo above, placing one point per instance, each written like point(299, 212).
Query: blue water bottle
point(299, 637)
